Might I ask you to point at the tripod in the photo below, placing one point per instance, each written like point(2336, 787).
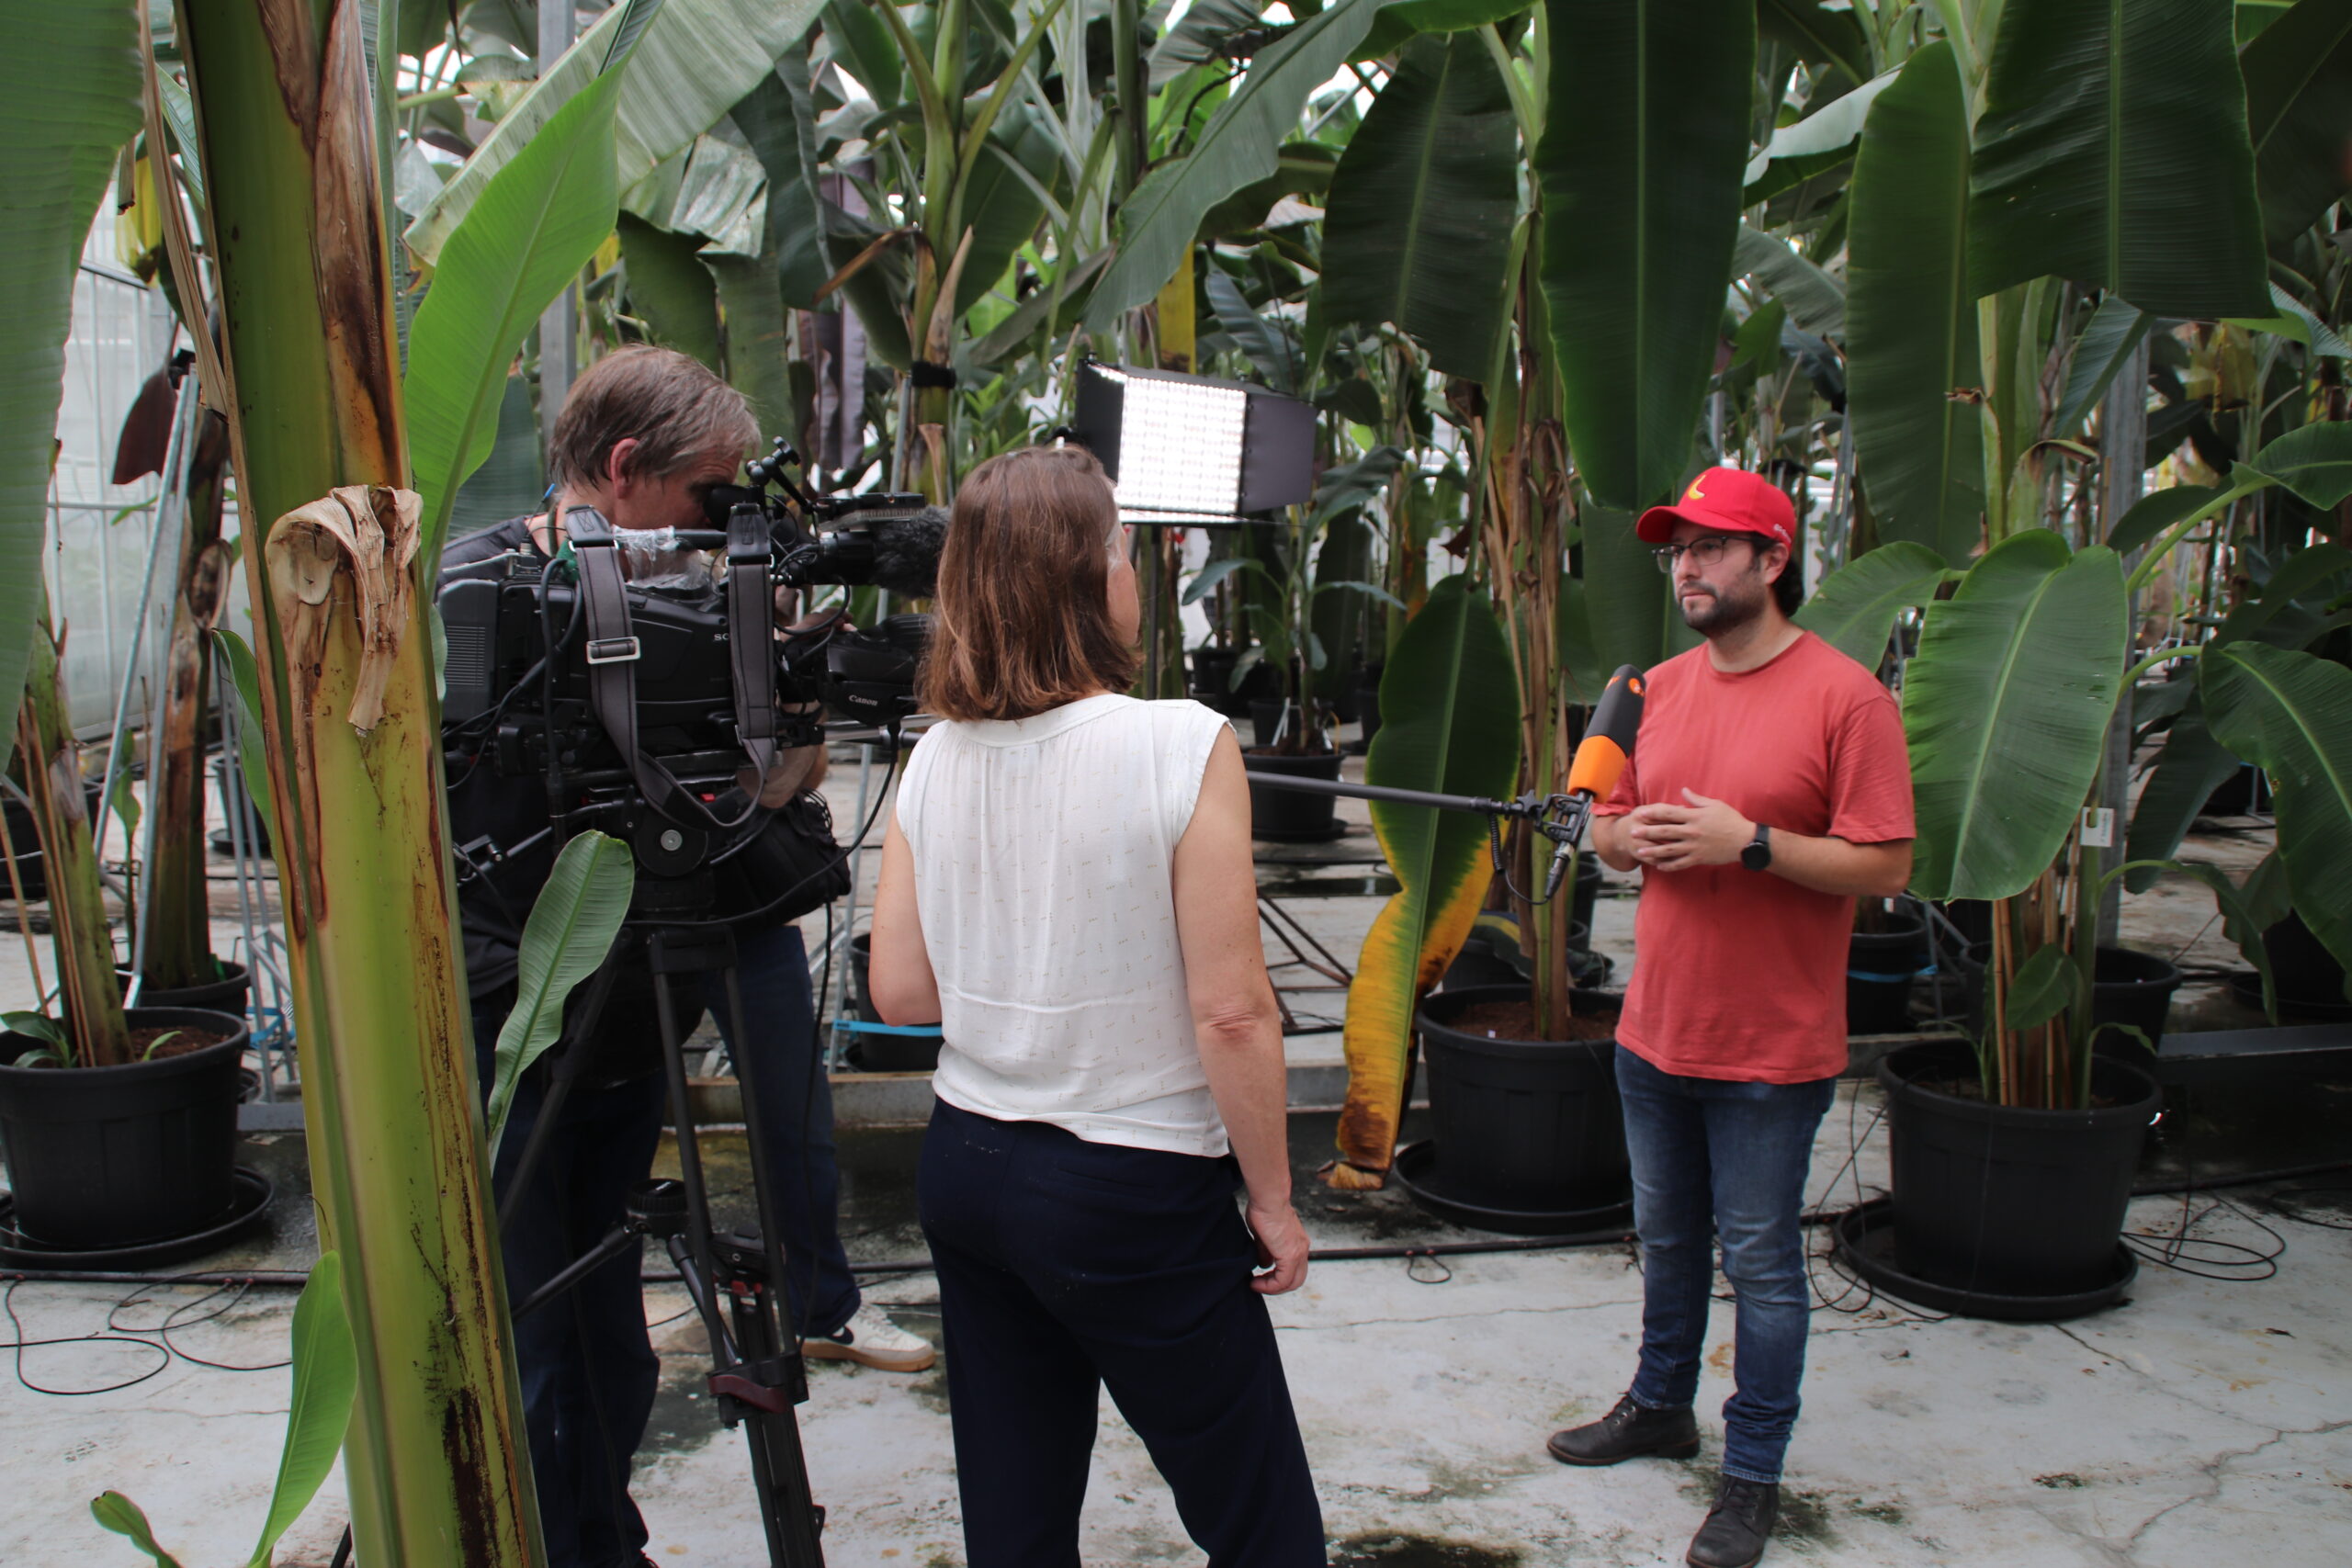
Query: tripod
point(756, 1375)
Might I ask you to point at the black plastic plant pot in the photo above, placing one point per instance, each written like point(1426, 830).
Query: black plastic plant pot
point(1293, 816)
point(884, 1052)
point(1367, 698)
point(102, 1157)
point(1523, 1125)
point(2307, 975)
point(1879, 969)
point(229, 994)
point(861, 954)
point(1212, 680)
point(1481, 963)
point(2127, 986)
point(2008, 1202)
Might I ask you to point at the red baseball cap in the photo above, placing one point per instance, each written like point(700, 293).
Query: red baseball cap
point(1731, 499)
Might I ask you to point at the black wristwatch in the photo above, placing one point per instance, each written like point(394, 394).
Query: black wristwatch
point(1758, 852)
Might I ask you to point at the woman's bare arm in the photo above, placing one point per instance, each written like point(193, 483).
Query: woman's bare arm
point(1233, 1017)
point(899, 976)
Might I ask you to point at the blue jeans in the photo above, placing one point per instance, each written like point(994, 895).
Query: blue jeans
point(1715, 1160)
point(787, 1071)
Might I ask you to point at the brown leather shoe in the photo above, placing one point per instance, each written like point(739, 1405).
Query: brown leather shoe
point(1628, 1431)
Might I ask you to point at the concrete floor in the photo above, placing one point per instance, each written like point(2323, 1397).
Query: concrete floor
point(2205, 1421)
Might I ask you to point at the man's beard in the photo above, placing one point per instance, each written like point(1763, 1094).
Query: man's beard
point(1714, 612)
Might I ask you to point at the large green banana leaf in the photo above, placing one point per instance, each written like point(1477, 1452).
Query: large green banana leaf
point(1815, 301)
point(1817, 34)
point(2112, 150)
point(510, 481)
point(566, 936)
point(670, 289)
point(1854, 609)
point(1400, 21)
point(69, 98)
point(2314, 460)
point(1449, 707)
point(1911, 315)
point(1237, 146)
point(1644, 143)
point(2006, 707)
point(2298, 106)
point(2114, 331)
point(2189, 769)
point(537, 221)
point(326, 1382)
point(2292, 714)
point(1417, 227)
point(1629, 602)
point(2193, 763)
point(695, 60)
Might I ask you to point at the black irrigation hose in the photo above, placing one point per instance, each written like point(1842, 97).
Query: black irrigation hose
point(1320, 1255)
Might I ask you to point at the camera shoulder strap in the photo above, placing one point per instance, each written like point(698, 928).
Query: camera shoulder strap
point(751, 636)
point(612, 670)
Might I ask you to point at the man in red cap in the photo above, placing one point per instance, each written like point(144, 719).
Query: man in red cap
point(1769, 787)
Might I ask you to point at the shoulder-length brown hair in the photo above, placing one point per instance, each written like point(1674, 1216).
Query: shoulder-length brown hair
point(1023, 624)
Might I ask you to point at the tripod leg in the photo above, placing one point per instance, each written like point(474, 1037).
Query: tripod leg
point(674, 1062)
point(749, 1074)
point(779, 1467)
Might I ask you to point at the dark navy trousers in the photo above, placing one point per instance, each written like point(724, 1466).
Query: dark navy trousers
point(1067, 1266)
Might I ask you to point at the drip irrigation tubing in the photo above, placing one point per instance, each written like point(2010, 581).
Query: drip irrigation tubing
point(293, 1280)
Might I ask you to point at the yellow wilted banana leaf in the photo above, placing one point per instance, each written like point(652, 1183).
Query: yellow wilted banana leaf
point(1449, 722)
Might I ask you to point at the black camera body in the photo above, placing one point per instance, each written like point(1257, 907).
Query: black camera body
point(528, 683)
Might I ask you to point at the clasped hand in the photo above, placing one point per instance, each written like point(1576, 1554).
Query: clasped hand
point(1678, 838)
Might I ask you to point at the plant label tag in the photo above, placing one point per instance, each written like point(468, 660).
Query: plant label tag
point(2098, 827)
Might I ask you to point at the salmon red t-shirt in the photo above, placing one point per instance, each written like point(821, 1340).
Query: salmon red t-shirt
point(1741, 974)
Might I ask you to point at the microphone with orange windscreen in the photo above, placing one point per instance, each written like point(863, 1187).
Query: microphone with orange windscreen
point(1593, 772)
point(1599, 761)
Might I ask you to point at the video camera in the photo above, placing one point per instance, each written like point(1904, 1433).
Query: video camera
point(652, 687)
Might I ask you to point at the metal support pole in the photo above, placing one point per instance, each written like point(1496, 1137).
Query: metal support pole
point(847, 930)
point(559, 326)
point(2123, 460)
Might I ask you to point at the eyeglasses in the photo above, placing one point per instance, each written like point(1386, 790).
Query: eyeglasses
point(1706, 551)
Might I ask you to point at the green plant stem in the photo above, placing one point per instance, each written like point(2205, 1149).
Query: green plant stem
point(2153, 660)
point(2244, 482)
point(91, 1001)
point(436, 1464)
point(177, 951)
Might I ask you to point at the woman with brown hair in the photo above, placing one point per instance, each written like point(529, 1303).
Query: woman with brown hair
point(1066, 889)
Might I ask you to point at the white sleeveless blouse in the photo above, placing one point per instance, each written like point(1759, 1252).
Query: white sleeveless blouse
point(1044, 853)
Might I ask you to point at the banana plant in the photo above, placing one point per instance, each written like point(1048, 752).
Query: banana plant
point(2007, 705)
point(339, 558)
point(69, 100)
point(1451, 690)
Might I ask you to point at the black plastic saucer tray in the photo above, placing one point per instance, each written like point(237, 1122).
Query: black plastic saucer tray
point(252, 1202)
point(1416, 1172)
point(1866, 1244)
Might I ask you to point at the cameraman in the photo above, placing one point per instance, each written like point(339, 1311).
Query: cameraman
point(644, 434)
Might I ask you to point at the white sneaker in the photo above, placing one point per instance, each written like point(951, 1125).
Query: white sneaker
point(871, 1339)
